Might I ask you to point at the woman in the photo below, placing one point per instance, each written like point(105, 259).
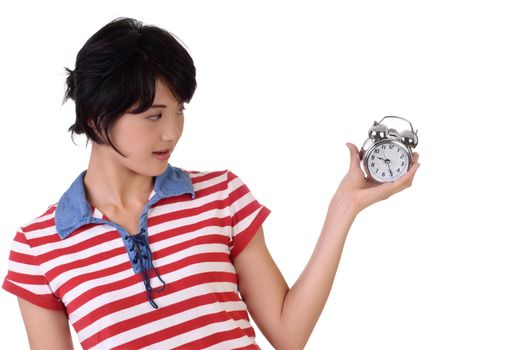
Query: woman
point(138, 253)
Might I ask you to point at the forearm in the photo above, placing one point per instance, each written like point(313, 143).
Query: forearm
point(304, 302)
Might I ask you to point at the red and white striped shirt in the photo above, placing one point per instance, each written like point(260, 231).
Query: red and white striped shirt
point(192, 228)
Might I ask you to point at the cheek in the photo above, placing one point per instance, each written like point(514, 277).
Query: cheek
point(181, 124)
point(130, 135)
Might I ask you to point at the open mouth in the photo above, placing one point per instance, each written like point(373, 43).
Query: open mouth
point(163, 154)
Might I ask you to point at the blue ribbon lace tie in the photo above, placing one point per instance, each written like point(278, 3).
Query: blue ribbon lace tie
point(143, 255)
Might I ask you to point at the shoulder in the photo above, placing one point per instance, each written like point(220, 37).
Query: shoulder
point(199, 173)
point(224, 183)
point(41, 220)
point(207, 177)
point(36, 230)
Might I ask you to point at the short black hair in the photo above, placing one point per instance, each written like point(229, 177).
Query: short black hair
point(118, 67)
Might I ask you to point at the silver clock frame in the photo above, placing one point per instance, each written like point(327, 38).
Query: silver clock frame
point(368, 152)
point(380, 134)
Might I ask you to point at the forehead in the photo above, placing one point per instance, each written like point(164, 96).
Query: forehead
point(163, 94)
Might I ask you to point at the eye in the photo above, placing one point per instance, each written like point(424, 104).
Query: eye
point(154, 117)
point(181, 109)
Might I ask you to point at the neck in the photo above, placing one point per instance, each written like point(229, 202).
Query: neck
point(109, 183)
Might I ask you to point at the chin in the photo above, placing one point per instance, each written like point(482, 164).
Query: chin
point(149, 169)
point(158, 170)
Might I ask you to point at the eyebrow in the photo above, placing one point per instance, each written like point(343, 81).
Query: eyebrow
point(158, 106)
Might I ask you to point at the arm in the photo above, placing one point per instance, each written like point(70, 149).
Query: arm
point(46, 328)
point(287, 316)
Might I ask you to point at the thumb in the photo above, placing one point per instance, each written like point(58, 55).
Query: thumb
point(354, 155)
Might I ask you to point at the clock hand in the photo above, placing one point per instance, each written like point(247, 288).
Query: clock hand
point(387, 161)
point(386, 158)
point(390, 170)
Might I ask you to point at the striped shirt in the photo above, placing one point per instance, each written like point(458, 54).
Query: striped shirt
point(171, 285)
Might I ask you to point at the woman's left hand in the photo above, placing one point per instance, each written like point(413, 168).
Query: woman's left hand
point(358, 192)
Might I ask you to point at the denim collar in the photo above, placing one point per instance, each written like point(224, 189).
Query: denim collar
point(73, 210)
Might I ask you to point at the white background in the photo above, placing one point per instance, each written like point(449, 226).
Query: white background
point(281, 87)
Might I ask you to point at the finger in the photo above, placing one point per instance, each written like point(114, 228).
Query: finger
point(385, 190)
point(407, 180)
point(354, 156)
point(415, 157)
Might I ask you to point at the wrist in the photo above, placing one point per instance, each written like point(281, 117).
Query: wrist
point(344, 205)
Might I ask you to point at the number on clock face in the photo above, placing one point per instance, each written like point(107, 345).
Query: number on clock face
point(388, 162)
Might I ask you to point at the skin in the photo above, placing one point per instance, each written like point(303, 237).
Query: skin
point(120, 187)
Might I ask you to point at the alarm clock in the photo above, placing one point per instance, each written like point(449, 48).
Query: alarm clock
point(387, 154)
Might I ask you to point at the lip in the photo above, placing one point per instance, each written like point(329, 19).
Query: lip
point(163, 154)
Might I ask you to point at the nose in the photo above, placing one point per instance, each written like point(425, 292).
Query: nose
point(172, 128)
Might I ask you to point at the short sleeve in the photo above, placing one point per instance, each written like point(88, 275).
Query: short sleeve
point(247, 214)
point(25, 278)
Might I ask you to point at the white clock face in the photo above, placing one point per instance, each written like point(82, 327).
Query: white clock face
point(387, 161)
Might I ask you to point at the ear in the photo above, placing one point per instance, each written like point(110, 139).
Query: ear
point(90, 122)
point(92, 125)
